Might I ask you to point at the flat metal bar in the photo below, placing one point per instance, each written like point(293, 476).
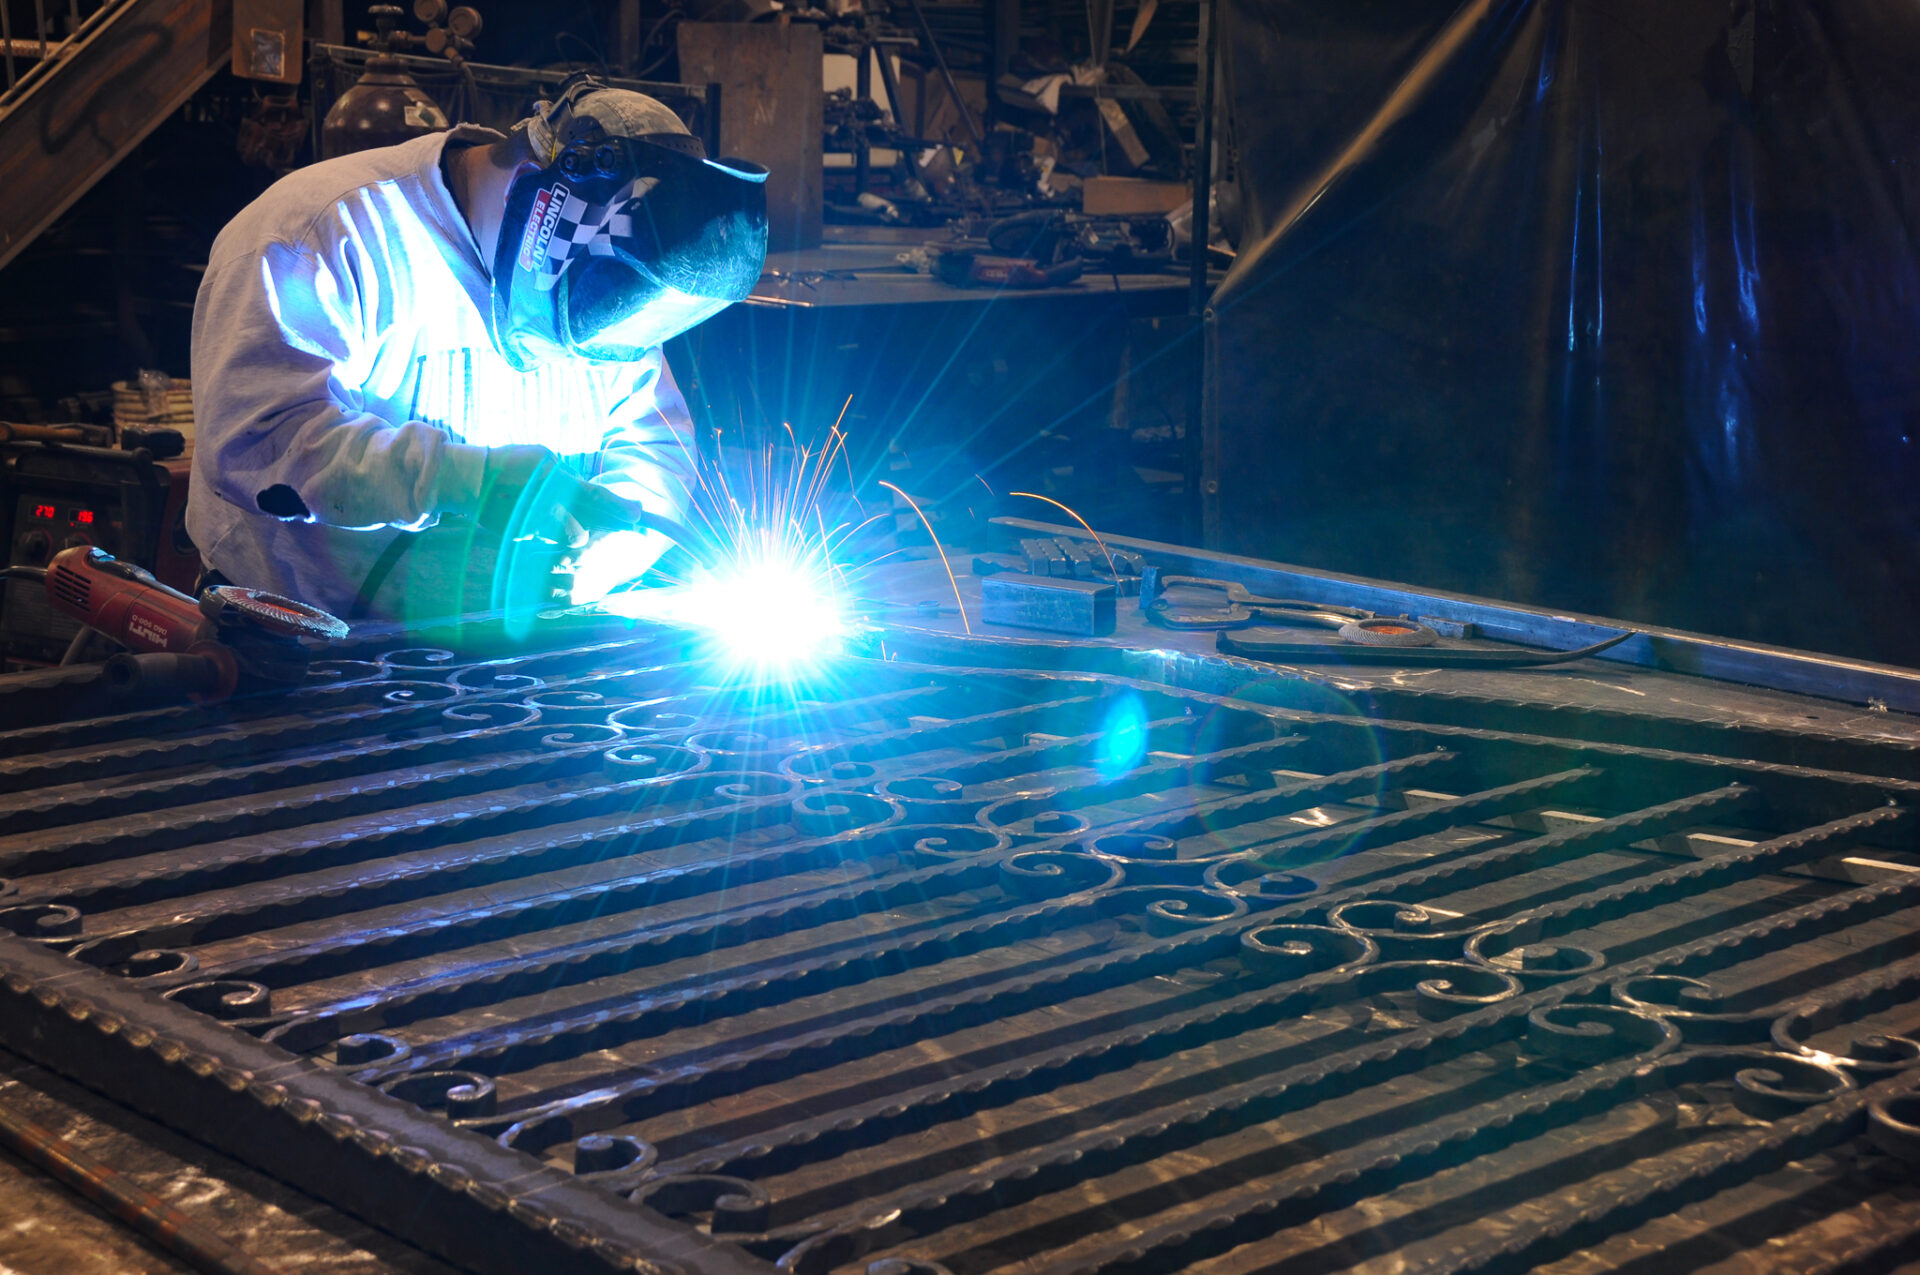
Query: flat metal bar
point(179, 1233)
point(1216, 813)
point(1400, 825)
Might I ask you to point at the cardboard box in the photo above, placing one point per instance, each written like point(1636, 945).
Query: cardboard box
point(1132, 195)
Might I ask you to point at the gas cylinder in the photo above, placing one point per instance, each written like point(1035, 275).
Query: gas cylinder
point(386, 106)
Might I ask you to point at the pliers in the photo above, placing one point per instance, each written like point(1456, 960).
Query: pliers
point(1240, 609)
point(1246, 625)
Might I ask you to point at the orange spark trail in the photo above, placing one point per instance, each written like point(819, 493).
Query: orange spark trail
point(951, 579)
point(822, 462)
point(1082, 521)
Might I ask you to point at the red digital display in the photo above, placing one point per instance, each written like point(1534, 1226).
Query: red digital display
point(43, 511)
point(83, 515)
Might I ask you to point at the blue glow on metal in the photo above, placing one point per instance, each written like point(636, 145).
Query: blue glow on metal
point(1123, 738)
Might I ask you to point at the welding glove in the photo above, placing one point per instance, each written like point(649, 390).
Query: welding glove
point(527, 494)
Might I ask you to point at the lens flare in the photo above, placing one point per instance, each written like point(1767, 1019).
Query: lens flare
point(1123, 738)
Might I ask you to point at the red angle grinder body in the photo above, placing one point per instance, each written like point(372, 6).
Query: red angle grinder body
point(212, 640)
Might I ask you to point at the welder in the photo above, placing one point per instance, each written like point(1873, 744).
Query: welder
point(425, 375)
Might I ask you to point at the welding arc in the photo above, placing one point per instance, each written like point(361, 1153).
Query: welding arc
point(140, 1209)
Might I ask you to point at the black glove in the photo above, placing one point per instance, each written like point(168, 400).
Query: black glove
point(528, 494)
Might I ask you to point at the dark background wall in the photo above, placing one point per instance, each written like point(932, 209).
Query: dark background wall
point(1078, 396)
point(1611, 306)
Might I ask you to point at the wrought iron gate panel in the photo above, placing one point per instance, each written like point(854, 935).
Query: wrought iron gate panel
point(1003, 971)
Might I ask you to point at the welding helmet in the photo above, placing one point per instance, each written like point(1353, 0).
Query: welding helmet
point(627, 235)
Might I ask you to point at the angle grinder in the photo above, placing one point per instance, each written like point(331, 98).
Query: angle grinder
point(204, 645)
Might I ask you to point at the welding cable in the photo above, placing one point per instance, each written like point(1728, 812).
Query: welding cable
point(678, 532)
point(76, 647)
point(191, 1241)
point(698, 549)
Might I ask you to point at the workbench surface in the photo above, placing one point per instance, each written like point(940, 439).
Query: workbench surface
point(1599, 688)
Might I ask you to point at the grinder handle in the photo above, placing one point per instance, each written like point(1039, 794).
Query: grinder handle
point(207, 673)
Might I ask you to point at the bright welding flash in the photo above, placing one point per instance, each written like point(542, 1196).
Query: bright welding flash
point(772, 612)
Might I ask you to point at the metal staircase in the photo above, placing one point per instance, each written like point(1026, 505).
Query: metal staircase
point(75, 104)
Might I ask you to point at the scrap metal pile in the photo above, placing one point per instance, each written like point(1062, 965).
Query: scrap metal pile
point(580, 960)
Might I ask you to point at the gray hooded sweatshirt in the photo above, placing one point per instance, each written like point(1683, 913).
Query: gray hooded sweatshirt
point(346, 390)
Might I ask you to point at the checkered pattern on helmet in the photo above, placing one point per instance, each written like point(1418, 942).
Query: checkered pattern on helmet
point(589, 229)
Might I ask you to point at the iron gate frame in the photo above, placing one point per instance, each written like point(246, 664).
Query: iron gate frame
point(492, 1207)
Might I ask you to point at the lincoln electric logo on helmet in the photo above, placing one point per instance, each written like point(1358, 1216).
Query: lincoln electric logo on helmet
point(540, 223)
point(626, 237)
point(562, 226)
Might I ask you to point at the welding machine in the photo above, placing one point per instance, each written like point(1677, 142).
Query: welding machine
point(54, 496)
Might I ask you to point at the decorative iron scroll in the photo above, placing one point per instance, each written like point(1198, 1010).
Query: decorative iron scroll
point(908, 968)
